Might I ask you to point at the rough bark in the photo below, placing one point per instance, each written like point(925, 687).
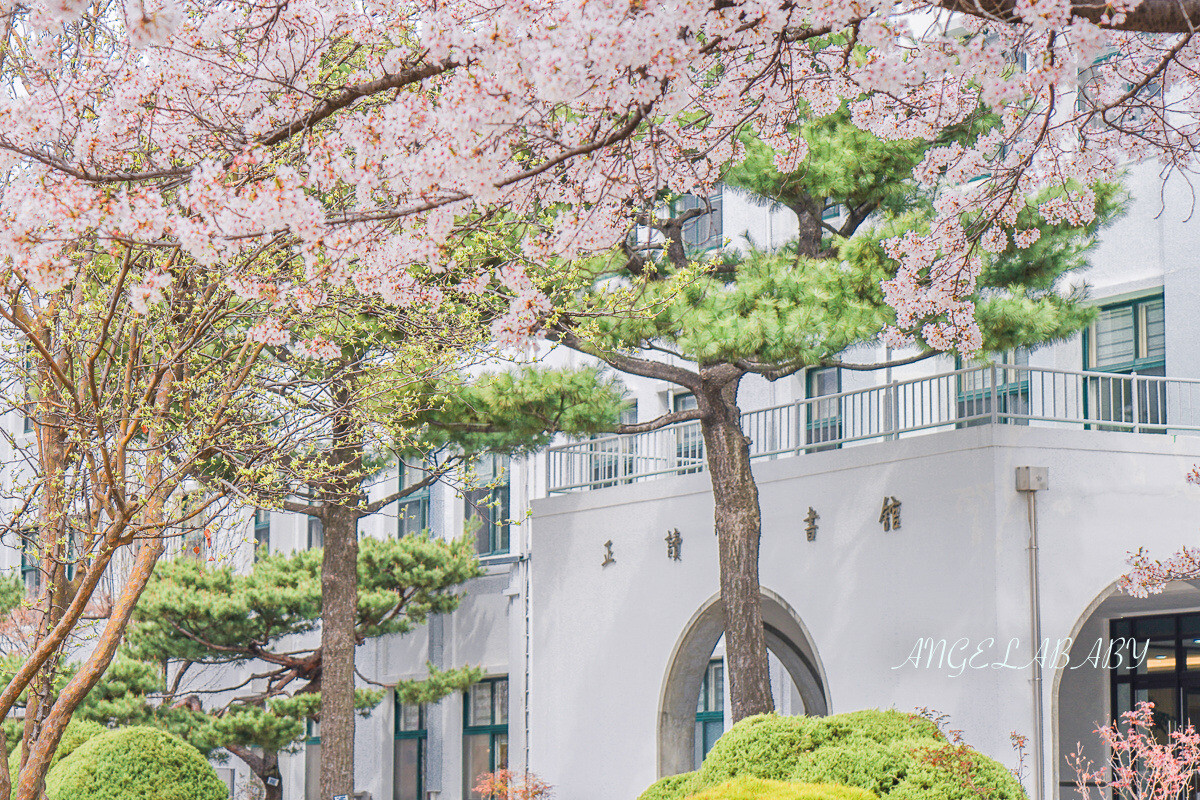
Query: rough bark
point(339, 605)
point(264, 767)
point(738, 520)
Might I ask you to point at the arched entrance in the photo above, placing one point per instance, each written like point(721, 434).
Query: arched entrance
point(1083, 696)
point(786, 638)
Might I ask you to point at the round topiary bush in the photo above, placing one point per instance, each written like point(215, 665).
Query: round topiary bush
point(893, 755)
point(78, 731)
point(756, 789)
point(135, 764)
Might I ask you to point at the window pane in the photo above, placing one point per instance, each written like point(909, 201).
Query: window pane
point(501, 744)
point(1156, 331)
point(1114, 336)
point(477, 760)
point(479, 711)
point(407, 782)
point(316, 533)
point(408, 717)
point(501, 705)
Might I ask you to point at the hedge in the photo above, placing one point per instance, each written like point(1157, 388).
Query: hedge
point(139, 763)
point(891, 754)
point(78, 731)
point(756, 789)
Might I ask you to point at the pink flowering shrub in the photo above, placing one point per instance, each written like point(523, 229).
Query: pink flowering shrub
point(505, 785)
point(1143, 766)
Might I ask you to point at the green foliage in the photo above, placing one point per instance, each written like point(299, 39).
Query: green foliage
point(757, 789)
point(140, 762)
point(77, 733)
point(12, 592)
point(520, 410)
point(215, 615)
point(887, 753)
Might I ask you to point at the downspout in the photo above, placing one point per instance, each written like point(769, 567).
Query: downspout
point(1030, 480)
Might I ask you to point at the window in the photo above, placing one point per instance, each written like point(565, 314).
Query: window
point(486, 506)
point(710, 709)
point(28, 412)
point(31, 567)
point(1169, 676)
point(824, 423)
point(612, 459)
point(689, 438)
point(312, 761)
point(412, 512)
point(703, 232)
point(408, 781)
point(316, 533)
point(262, 532)
point(1128, 338)
point(975, 387)
point(485, 731)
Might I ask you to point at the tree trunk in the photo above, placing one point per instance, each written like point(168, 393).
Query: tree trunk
point(339, 612)
point(738, 524)
point(264, 767)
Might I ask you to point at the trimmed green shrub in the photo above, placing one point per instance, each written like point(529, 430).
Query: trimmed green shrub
point(757, 789)
point(894, 755)
point(138, 763)
point(78, 731)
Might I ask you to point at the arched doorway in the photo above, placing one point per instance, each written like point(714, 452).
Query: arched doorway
point(1085, 696)
point(787, 640)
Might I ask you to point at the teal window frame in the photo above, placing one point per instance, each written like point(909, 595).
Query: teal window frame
point(492, 730)
point(1099, 398)
point(689, 438)
point(490, 503)
point(30, 565)
point(708, 710)
point(418, 734)
point(412, 511)
point(1012, 388)
point(1139, 363)
point(613, 458)
point(262, 532)
point(815, 426)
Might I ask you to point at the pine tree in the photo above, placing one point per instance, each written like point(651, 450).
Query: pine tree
point(777, 313)
point(193, 616)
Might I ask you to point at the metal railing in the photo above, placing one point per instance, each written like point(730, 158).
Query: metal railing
point(990, 394)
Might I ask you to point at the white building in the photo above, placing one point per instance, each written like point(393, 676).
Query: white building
point(602, 650)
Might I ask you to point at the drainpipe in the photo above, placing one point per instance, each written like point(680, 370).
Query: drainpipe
point(1030, 480)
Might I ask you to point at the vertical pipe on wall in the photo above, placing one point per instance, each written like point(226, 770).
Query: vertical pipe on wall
point(1029, 481)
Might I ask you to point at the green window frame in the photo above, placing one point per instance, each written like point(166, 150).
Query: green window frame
point(710, 709)
point(312, 760)
point(689, 438)
point(613, 458)
point(412, 511)
point(31, 566)
point(408, 765)
point(262, 533)
point(975, 387)
point(486, 506)
point(1127, 338)
point(824, 417)
point(485, 731)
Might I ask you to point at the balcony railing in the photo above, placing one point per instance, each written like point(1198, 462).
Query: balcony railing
point(991, 394)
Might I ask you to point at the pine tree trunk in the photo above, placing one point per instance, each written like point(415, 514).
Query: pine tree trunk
point(738, 524)
point(264, 767)
point(339, 605)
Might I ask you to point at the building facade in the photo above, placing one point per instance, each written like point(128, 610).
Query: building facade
point(902, 510)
